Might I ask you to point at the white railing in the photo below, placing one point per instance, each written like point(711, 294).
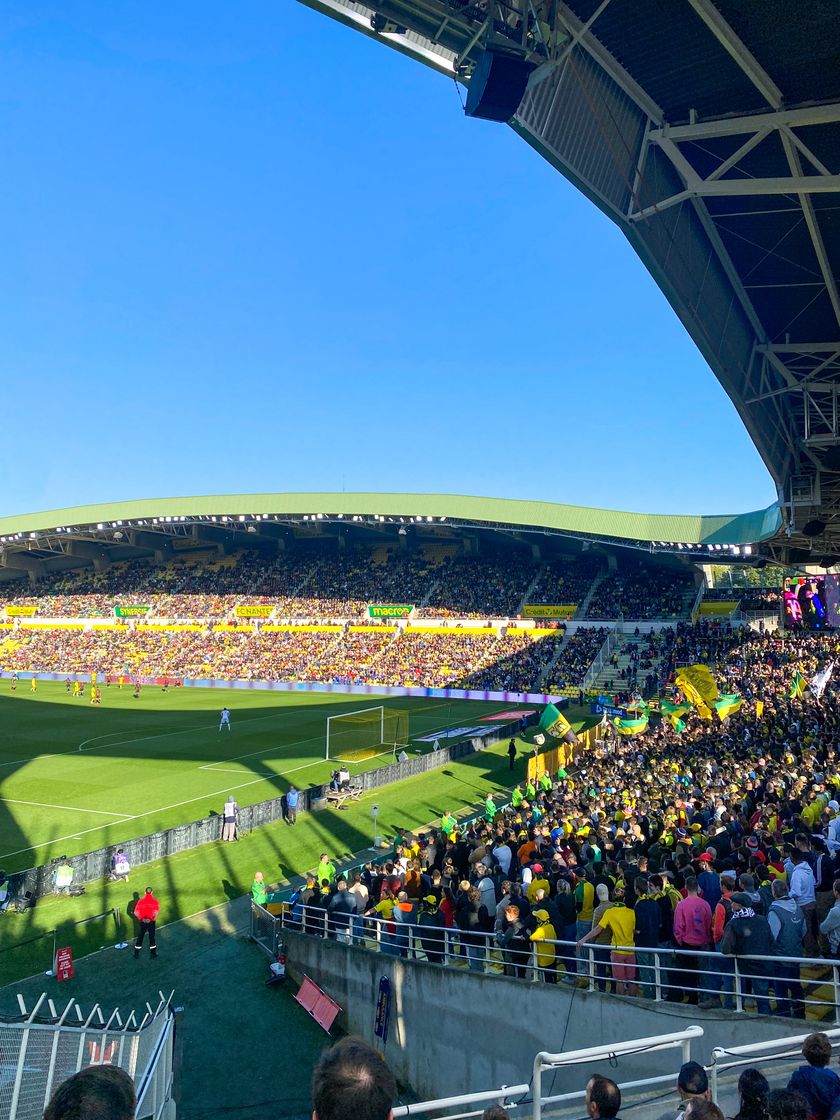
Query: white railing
point(591, 674)
point(543, 1061)
point(757, 1054)
point(663, 973)
point(44, 1047)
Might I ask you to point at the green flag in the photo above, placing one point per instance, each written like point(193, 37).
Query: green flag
point(555, 724)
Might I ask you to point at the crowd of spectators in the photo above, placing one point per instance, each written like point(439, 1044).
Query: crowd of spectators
point(480, 587)
point(767, 599)
point(577, 655)
point(722, 840)
point(566, 581)
point(310, 581)
point(513, 661)
point(641, 593)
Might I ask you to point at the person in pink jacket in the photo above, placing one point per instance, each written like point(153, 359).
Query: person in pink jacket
point(692, 931)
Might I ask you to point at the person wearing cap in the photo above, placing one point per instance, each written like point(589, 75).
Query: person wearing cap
point(430, 929)
point(146, 911)
point(543, 938)
point(692, 1085)
point(538, 882)
point(708, 882)
point(747, 937)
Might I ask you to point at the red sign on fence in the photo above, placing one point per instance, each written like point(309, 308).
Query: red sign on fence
point(64, 964)
point(319, 1005)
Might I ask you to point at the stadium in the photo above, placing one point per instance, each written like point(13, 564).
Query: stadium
point(523, 794)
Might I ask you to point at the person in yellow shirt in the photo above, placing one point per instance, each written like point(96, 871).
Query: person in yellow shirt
point(543, 937)
point(538, 882)
point(33, 684)
point(620, 920)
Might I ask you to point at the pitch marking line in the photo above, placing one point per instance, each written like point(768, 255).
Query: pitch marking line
point(66, 808)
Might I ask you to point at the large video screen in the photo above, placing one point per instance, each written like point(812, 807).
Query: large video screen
point(812, 602)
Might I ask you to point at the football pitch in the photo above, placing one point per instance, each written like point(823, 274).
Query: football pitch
point(75, 777)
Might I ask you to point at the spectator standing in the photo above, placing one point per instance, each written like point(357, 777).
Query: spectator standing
point(292, 800)
point(145, 913)
point(621, 923)
point(830, 926)
point(230, 819)
point(787, 927)
point(692, 931)
point(746, 938)
point(802, 886)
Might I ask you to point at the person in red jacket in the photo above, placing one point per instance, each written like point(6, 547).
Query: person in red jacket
point(146, 912)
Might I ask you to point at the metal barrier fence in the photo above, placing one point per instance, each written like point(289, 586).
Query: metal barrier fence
point(83, 936)
point(91, 866)
point(44, 1047)
point(796, 984)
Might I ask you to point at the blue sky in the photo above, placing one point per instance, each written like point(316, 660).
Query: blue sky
point(246, 249)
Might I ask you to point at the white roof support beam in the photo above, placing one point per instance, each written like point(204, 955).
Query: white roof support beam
point(753, 122)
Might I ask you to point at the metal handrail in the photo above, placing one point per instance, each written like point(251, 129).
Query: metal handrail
point(589, 963)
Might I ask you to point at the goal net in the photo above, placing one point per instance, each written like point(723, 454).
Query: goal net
point(355, 736)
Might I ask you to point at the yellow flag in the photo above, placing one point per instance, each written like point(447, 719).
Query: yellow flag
point(701, 679)
point(759, 709)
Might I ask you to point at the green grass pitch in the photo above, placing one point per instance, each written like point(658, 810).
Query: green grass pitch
point(152, 763)
point(74, 777)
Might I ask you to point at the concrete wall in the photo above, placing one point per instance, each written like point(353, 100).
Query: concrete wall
point(452, 1032)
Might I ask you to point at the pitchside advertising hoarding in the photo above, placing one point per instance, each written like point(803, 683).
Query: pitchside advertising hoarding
point(390, 610)
point(549, 610)
point(131, 612)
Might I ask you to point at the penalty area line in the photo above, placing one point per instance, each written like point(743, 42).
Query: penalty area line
point(64, 808)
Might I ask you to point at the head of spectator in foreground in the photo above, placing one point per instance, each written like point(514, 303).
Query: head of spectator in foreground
point(603, 1098)
point(692, 1081)
point(753, 1088)
point(816, 1049)
point(350, 1081)
point(95, 1093)
point(785, 1104)
point(700, 1109)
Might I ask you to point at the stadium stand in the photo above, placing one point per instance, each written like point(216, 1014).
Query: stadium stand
point(749, 805)
point(641, 594)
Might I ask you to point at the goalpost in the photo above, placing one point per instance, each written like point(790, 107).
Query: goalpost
point(354, 736)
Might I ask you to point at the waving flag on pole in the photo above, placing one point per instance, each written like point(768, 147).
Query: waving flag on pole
point(797, 686)
point(555, 724)
point(728, 705)
point(820, 680)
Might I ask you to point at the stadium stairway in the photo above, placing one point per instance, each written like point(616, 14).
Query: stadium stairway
point(532, 587)
point(611, 672)
point(593, 587)
point(546, 674)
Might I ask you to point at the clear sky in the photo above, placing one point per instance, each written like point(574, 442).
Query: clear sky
point(247, 249)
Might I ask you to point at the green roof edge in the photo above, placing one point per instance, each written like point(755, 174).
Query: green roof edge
point(743, 528)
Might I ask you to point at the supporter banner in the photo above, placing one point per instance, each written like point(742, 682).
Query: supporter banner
point(555, 610)
point(131, 612)
point(20, 612)
point(253, 612)
point(390, 611)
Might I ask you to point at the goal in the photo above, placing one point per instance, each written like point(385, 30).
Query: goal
point(354, 736)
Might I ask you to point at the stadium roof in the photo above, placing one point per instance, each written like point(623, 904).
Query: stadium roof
point(40, 541)
point(710, 133)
